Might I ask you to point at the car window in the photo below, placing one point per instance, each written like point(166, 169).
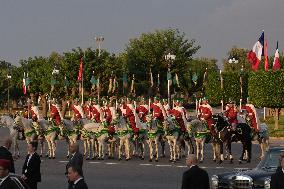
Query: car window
point(272, 159)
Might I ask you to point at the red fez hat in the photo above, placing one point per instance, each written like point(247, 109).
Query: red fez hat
point(6, 164)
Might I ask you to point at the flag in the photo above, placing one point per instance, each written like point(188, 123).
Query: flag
point(94, 82)
point(254, 56)
point(205, 75)
point(276, 62)
point(98, 85)
point(265, 56)
point(194, 78)
point(151, 78)
point(52, 83)
point(114, 85)
point(132, 89)
point(177, 80)
point(24, 85)
point(80, 74)
point(109, 86)
point(169, 78)
point(124, 79)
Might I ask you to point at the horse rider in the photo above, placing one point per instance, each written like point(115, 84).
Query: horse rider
point(179, 114)
point(252, 116)
point(166, 107)
point(159, 112)
point(77, 110)
point(97, 114)
point(206, 113)
point(55, 113)
point(108, 116)
point(142, 110)
point(231, 113)
point(130, 115)
point(35, 112)
point(88, 109)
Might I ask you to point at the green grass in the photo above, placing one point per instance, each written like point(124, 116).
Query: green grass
point(270, 123)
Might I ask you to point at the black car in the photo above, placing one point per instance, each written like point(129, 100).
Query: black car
point(256, 178)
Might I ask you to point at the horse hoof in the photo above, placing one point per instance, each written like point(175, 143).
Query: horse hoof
point(240, 162)
point(49, 157)
point(170, 160)
point(156, 160)
point(102, 159)
point(127, 159)
point(173, 161)
point(201, 161)
point(150, 160)
point(214, 160)
point(53, 157)
point(93, 158)
point(46, 155)
point(142, 158)
point(119, 159)
point(220, 162)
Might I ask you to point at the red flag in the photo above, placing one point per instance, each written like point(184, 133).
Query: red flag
point(254, 56)
point(80, 70)
point(24, 86)
point(276, 62)
point(265, 56)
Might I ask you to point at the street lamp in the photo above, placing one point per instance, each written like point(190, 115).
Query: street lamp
point(233, 61)
point(99, 41)
point(169, 58)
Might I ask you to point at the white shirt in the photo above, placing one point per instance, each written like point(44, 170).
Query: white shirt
point(30, 157)
point(192, 166)
point(282, 170)
point(76, 181)
point(3, 179)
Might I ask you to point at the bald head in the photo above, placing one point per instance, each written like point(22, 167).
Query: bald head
point(191, 160)
point(74, 148)
point(7, 142)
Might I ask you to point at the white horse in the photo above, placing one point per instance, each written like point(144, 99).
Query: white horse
point(88, 135)
point(154, 134)
point(172, 134)
point(199, 131)
point(123, 133)
point(7, 121)
point(33, 131)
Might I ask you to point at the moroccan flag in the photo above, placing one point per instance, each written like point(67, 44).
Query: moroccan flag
point(80, 74)
point(24, 86)
point(266, 65)
point(276, 62)
point(254, 56)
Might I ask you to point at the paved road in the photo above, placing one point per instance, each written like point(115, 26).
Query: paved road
point(136, 173)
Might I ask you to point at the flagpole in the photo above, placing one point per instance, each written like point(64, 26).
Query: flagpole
point(98, 90)
point(222, 86)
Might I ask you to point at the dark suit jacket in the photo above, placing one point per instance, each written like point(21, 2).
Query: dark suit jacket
point(277, 179)
point(33, 169)
point(77, 161)
point(195, 178)
point(13, 183)
point(5, 154)
point(80, 185)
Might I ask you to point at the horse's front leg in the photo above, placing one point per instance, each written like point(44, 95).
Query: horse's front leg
point(221, 152)
point(175, 149)
point(150, 149)
point(197, 148)
point(157, 148)
point(202, 150)
point(127, 150)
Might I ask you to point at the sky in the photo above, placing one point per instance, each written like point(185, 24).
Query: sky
point(39, 27)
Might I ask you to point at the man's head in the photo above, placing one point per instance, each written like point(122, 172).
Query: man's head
point(191, 160)
point(74, 173)
point(282, 160)
point(74, 148)
point(7, 143)
point(32, 147)
point(4, 167)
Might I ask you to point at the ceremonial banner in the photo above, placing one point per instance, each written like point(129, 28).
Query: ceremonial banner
point(276, 62)
point(254, 56)
point(80, 74)
point(266, 65)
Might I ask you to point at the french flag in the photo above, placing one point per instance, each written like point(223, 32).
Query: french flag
point(254, 56)
point(276, 62)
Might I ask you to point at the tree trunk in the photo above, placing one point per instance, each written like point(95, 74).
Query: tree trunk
point(44, 105)
point(276, 118)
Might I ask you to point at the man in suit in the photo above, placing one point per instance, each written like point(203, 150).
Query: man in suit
point(76, 178)
point(31, 168)
point(278, 177)
point(194, 177)
point(76, 159)
point(6, 154)
point(8, 181)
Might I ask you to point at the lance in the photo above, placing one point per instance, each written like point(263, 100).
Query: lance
point(222, 87)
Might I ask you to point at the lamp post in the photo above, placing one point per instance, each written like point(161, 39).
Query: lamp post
point(169, 58)
point(99, 41)
point(233, 61)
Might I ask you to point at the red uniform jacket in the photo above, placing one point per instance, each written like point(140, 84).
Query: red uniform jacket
point(142, 111)
point(157, 112)
point(77, 114)
point(108, 117)
point(129, 114)
point(252, 115)
point(88, 111)
point(206, 114)
point(179, 118)
point(231, 113)
point(96, 113)
point(54, 114)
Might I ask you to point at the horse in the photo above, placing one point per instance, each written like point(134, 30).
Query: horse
point(88, 134)
point(32, 131)
point(198, 129)
point(7, 121)
point(222, 134)
point(123, 133)
point(154, 135)
point(139, 140)
point(172, 133)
